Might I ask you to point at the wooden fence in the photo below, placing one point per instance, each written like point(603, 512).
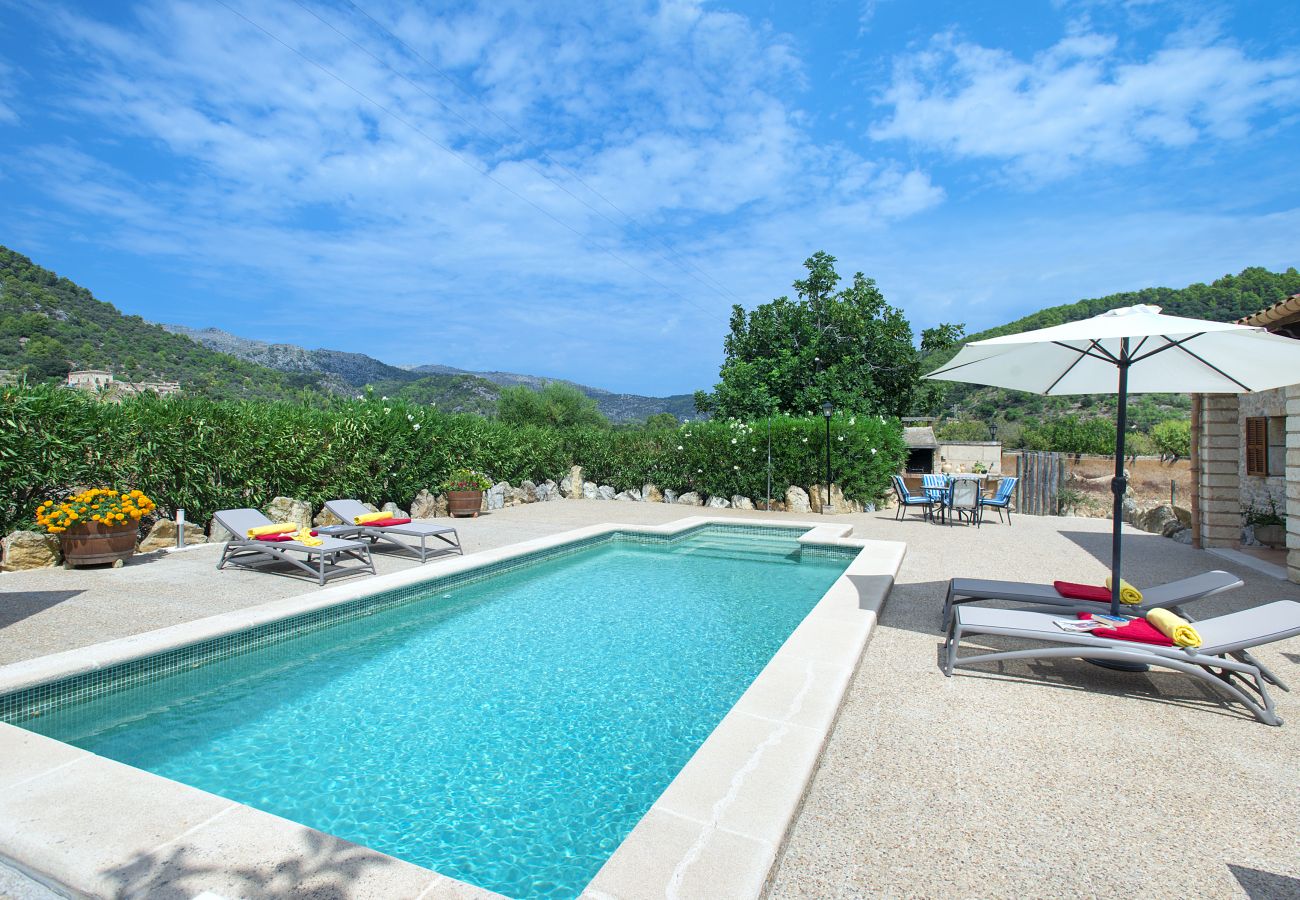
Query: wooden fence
point(1041, 476)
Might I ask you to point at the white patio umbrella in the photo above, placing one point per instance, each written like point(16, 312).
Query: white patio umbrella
point(1135, 349)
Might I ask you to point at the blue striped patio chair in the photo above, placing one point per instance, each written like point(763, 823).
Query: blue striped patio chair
point(936, 487)
point(907, 499)
point(1002, 499)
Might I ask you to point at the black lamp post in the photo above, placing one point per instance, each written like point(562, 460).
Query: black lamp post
point(827, 409)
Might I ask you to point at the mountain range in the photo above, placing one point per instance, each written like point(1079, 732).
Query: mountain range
point(455, 390)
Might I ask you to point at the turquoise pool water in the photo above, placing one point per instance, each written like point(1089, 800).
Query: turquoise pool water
point(509, 733)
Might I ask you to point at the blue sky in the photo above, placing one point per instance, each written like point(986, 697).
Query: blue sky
point(584, 190)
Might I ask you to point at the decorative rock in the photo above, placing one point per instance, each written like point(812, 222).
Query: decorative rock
point(571, 484)
point(1182, 535)
point(817, 499)
point(605, 492)
point(1129, 510)
point(495, 496)
point(548, 490)
point(1159, 520)
point(631, 494)
point(589, 490)
point(774, 506)
point(30, 550)
point(426, 505)
point(718, 503)
point(218, 535)
point(690, 498)
point(739, 502)
point(163, 535)
point(395, 511)
point(651, 494)
point(796, 500)
point(286, 509)
point(517, 496)
point(670, 496)
point(324, 519)
point(528, 492)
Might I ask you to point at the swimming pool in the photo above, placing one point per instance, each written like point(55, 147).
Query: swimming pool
point(508, 730)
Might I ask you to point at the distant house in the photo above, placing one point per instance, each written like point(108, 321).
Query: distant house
point(1246, 452)
point(101, 381)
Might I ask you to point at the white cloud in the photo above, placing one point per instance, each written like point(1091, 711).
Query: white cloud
point(8, 92)
point(1081, 102)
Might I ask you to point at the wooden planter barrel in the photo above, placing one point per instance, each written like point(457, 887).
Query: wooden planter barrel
point(91, 544)
point(461, 504)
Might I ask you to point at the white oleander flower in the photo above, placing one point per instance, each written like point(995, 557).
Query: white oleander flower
point(805, 440)
point(737, 468)
point(410, 418)
point(840, 439)
point(384, 399)
point(680, 447)
point(417, 426)
point(733, 440)
point(853, 420)
point(388, 409)
point(873, 451)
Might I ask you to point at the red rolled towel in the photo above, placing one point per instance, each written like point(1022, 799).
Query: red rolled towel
point(1139, 630)
point(274, 538)
point(384, 523)
point(1082, 591)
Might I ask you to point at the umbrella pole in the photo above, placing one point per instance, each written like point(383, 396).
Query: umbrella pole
point(1119, 484)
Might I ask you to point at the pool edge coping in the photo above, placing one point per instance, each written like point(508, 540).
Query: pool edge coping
point(745, 816)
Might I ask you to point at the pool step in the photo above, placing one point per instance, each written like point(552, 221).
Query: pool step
point(742, 546)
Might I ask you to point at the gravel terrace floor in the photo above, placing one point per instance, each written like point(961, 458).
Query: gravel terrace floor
point(1031, 779)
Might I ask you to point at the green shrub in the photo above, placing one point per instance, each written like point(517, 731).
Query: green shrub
point(203, 455)
point(1173, 437)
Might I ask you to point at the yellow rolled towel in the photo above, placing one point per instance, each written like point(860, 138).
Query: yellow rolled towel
point(1127, 593)
point(1174, 627)
point(367, 518)
point(304, 536)
point(278, 528)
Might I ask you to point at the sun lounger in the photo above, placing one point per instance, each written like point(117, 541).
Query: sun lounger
point(348, 510)
point(1162, 596)
point(1225, 642)
point(332, 559)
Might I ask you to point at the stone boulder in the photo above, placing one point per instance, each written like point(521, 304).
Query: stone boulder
point(631, 494)
point(718, 503)
point(325, 519)
point(30, 550)
point(837, 506)
point(605, 492)
point(774, 506)
point(796, 500)
point(548, 490)
point(590, 490)
point(690, 498)
point(395, 511)
point(670, 496)
point(218, 535)
point(286, 509)
point(1159, 520)
point(519, 496)
point(428, 506)
point(739, 502)
point(651, 494)
point(1182, 535)
point(163, 535)
point(571, 484)
point(528, 492)
point(495, 496)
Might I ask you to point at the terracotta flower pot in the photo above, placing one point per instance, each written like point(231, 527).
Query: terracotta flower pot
point(91, 543)
point(461, 504)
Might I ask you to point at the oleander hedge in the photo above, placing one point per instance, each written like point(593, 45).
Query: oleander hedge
point(203, 455)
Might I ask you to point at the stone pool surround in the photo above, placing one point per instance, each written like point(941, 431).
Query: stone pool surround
point(80, 822)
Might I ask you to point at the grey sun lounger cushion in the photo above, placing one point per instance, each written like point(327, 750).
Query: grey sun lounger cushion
point(1160, 596)
point(348, 510)
point(332, 559)
point(1226, 642)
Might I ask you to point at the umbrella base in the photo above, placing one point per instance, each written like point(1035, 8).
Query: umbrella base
point(1119, 666)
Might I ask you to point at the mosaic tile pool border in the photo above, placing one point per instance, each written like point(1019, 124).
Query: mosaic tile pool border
point(27, 703)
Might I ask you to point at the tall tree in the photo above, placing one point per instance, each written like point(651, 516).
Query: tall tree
point(557, 405)
point(848, 346)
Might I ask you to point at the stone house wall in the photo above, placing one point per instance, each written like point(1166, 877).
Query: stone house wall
point(965, 454)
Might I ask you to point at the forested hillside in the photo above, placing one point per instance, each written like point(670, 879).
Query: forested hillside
point(1225, 300)
point(49, 324)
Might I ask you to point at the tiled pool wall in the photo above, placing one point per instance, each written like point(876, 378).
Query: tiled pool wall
point(31, 702)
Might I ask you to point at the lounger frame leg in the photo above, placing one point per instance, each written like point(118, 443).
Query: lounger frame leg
point(1265, 713)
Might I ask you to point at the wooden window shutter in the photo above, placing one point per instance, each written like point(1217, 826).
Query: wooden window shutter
point(1257, 445)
